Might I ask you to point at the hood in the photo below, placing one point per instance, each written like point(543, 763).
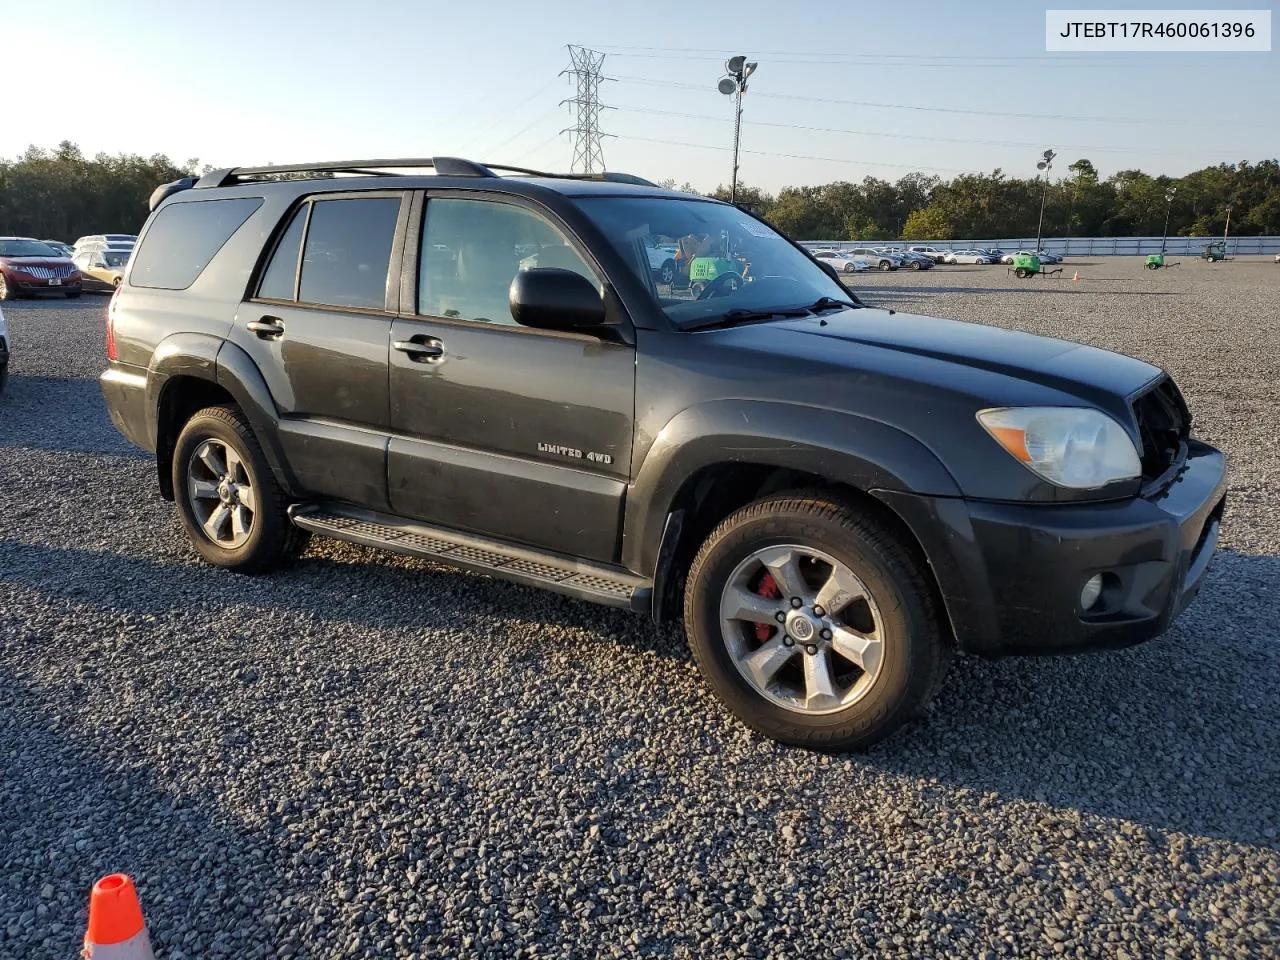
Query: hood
point(1058, 364)
point(20, 262)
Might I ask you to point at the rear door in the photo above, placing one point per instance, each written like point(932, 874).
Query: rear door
point(499, 429)
point(318, 328)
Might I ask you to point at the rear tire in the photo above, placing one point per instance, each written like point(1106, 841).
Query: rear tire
point(865, 702)
point(216, 457)
point(4, 376)
point(886, 265)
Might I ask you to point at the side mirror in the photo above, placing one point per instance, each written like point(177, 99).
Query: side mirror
point(554, 299)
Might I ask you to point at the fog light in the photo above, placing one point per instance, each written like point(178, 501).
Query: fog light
point(1091, 592)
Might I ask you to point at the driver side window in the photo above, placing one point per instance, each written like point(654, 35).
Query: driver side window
point(473, 249)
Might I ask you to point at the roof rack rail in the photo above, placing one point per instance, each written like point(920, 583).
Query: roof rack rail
point(444, 166)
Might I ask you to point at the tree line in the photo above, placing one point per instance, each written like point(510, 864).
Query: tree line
point(992, 205)
point(60, 194)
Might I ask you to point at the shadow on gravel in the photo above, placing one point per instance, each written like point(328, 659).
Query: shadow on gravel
point(378, 590)
point(71, 812)
point(1179, 733)
point(83, 425)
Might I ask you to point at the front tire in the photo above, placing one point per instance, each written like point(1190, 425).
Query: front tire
point(71, 294)
point(886, 265)
point(858, 650)
point(6, 291)
point(234, 511)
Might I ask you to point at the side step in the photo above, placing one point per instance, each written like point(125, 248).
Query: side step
point(598, 583)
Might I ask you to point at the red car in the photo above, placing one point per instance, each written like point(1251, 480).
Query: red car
point(28, 267)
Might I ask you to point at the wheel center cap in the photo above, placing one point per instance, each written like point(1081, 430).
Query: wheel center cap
point(800, 627)
point(225, 492)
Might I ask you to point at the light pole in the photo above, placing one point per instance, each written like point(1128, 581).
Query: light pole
point(1046, 164)
point(1168, 206)
point(735, 83)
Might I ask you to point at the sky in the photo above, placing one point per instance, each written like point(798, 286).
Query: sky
point(843, 90)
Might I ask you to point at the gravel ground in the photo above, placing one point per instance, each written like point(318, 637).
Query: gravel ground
point(372, 756)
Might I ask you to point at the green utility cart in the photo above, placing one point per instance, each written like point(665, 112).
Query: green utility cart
point(705, 272)
point(1026, 265)
point(1155, 261)
point(1213, 252)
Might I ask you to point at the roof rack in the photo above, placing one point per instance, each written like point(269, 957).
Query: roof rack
point(443, 166)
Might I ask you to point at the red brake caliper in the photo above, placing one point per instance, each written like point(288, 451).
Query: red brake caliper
point(767, 587)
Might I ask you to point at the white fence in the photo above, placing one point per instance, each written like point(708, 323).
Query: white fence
point(1082, 246)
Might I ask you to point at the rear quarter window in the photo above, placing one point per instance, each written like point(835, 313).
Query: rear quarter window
point(184, 238)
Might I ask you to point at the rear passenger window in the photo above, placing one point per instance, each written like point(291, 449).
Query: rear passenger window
point(348, 251)
point(278, 280)
point(184, 237)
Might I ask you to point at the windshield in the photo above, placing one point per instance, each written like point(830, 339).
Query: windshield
point(702, 260)
point(26, 248)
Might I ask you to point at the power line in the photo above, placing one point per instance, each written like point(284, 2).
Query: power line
point(791, 156)
point(507, 111)
point(588, 157)
point(493, 151)
point(905, 106)
point(898, 136)
point(873, 60)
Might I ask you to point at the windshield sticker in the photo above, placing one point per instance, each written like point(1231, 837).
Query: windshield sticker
point(758, 230)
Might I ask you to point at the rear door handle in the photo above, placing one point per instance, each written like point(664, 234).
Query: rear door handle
point(420, 349)
point(268, 328)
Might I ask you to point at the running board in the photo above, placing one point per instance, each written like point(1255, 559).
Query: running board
point(597, 583)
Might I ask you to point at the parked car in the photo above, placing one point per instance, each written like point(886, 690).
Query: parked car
point(882, 261)
point(63, 249)
point(845, 263)
point(4, 352)
point(102, 269)
point(29, 267)
point(933, 253)
point(662, 260)
point(910, 259)
point(968, 256)
point(106, 241)
point(1047, 257)
point(570, 427)
point(995, 253)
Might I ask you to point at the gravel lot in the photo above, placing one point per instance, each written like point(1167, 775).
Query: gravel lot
point(372, 756)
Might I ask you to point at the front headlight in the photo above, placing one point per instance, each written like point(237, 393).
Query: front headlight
point(1073, 447)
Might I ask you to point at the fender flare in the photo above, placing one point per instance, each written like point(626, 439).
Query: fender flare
point(240, 377)
point(863, 453)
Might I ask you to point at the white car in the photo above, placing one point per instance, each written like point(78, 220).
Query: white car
point(662, 260)
point(967, 256)
point(1044, 255)
point(933, 253)
point(842, 261)
point(1278, 258)
point(4, 353)
point(874, 258)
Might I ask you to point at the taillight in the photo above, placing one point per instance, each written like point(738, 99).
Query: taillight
point(111, 325)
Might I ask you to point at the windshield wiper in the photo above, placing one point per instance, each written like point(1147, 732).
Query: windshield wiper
point(830, 303)
point(742, 315)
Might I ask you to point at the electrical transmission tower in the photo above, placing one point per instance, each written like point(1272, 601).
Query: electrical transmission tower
point(585, 67)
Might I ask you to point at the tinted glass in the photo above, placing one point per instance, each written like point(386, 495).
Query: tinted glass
point(471, 251)
point(277, 281)
point(348, 251)
point(184, 237)
point(681, 249)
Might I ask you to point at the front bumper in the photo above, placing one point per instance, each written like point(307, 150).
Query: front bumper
point(31, 285)
point(1011, 573)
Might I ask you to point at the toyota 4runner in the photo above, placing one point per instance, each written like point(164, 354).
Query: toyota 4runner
point(482, 365)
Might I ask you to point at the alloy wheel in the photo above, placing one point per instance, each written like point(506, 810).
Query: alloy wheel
point(802, 629)
point(221, 494)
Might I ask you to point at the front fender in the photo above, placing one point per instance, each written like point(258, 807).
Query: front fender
point(845, 448)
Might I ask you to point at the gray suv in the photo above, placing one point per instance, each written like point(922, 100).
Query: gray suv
point(487, 367)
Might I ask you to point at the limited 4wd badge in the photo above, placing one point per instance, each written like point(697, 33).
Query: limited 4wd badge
point(575, 453)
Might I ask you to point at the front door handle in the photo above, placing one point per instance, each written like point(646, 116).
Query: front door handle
point(420, 349)
point(268, 328)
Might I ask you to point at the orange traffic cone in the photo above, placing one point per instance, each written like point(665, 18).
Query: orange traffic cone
point(1076, 278)
point(116, 930)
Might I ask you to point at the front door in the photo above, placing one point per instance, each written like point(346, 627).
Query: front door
point(499, 429)
point(318, 330)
